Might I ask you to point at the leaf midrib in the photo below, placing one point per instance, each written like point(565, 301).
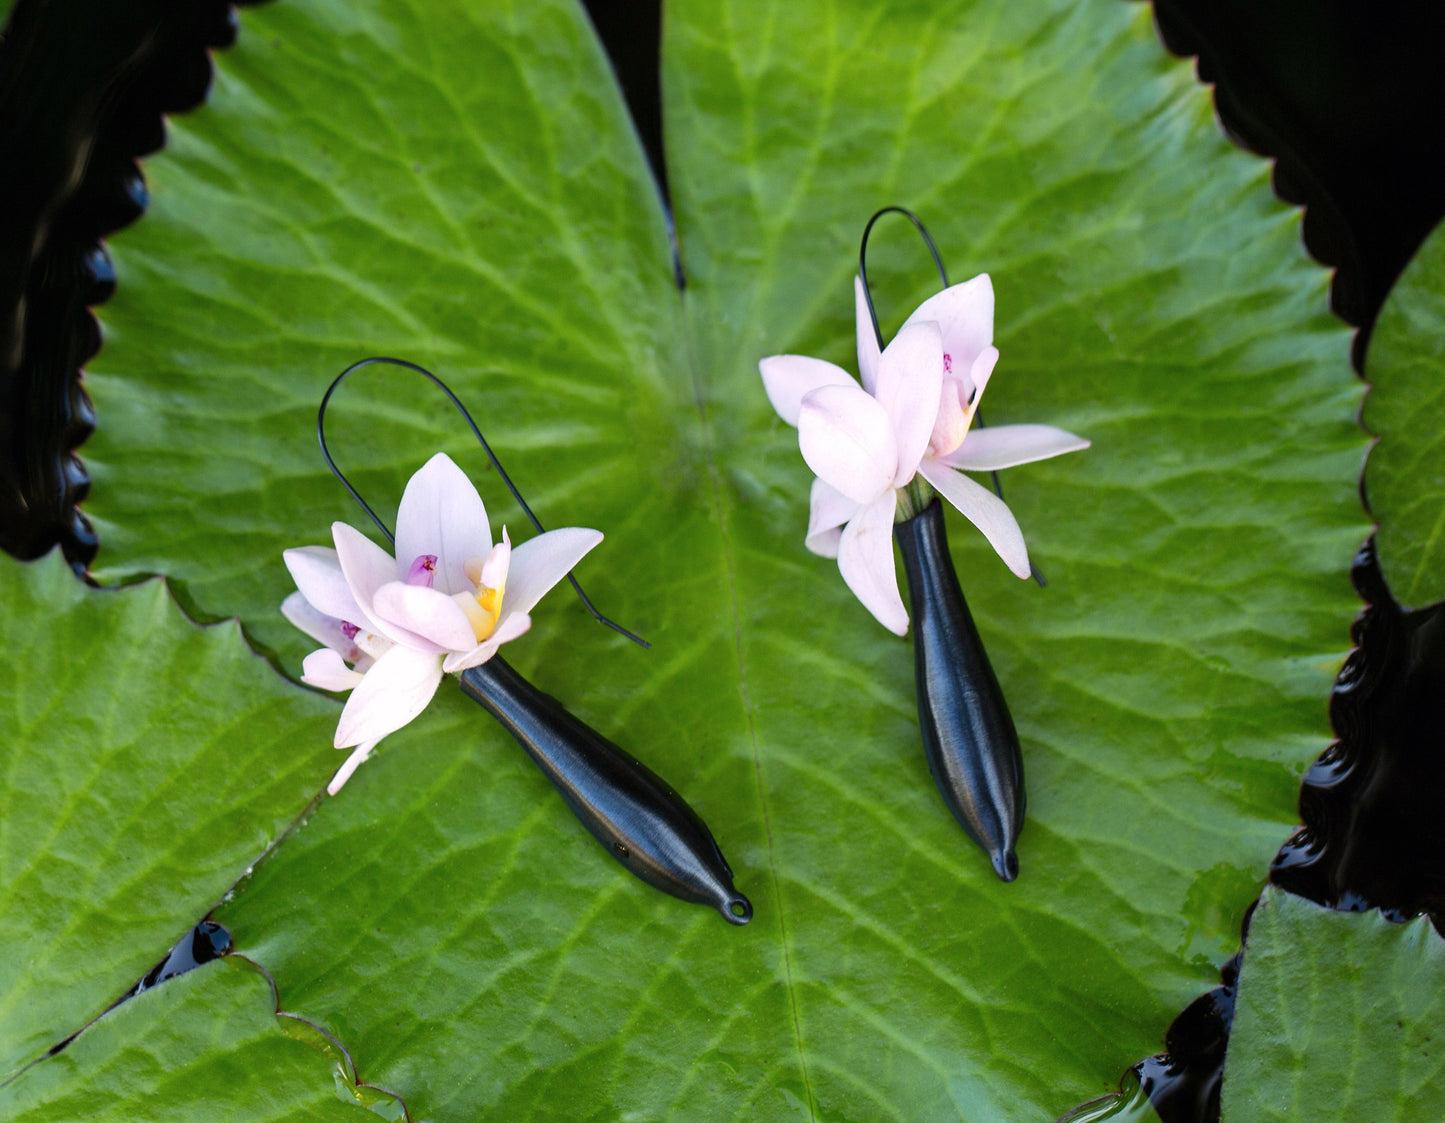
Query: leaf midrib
point(719, 514)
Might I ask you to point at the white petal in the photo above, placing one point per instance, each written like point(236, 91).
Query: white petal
point(508, 628)
point(865, 559)
point(867, 337)
point(357, 758)
point(498, 563)
point(367, 568)
point(442, 514)
point(910, 382)
point(1007, 446)
point(365, 565)
point(325, 669)
point(951, 426)
point(393, 692)
point(316, 624)
point(828, 510)
point(789, 378)
point(984, 509)
point(429, 613)
point(317, 573)
point(980, 371)
point(540, 562)
point(964, 315)
point(847, 439)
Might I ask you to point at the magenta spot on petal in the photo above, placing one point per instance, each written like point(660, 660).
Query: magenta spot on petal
point(947, 363)
point(422, 571)
point(349, 629)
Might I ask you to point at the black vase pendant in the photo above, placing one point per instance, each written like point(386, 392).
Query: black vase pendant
point(631, 810)
point(968, 735)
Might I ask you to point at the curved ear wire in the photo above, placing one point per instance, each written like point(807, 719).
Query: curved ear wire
point(492, 456)
point(863, 259)
point(878, 331)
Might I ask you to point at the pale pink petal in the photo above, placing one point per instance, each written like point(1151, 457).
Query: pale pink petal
point(540, 562)
point(508, 628)
point(317, 573)
point(393, 692)
point(980, 371)
point(828, 510)
point(789, 378)
point(952, 424)
point(429, 613)
point(865, 559)
point(367, 568)
point(867, 337)
point(985, 510)
point(442, 514)
point(316, 624)
point(847, 439)
point(365, 565)
point(498, 563)
point(964, 315)
point(357, 758)
point(324, 669)
point(910, 382)
point(1007, 446)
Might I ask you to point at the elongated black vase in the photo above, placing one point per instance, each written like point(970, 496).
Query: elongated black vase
point(968, 735)
point(631, 810)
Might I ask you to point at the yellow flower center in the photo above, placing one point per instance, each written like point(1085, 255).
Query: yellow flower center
point(484, 608)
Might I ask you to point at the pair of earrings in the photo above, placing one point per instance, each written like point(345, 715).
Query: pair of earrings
point(882, 451)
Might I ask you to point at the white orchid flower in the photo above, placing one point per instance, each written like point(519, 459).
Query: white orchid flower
point(446, 601)
point(911, 417)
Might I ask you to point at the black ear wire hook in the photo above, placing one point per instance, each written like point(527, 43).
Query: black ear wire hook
point(878, 331)
point(492, 456)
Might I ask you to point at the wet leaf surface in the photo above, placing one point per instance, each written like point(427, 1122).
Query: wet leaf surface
point(204, 1046)
point(1339, 1017)
point(143, 763)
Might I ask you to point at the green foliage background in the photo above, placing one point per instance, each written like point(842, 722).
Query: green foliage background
point(459, 185)
point(1406, 473)
point(1339, 1017)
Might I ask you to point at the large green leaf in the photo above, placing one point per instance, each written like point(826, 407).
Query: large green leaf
point(1406, 476)
point(204, 1046)
point(143, 762)
point(1339, 1017)
point(459, 185)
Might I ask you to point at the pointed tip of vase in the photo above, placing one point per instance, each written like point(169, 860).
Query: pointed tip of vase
point(1005, 864)
point(737, 909)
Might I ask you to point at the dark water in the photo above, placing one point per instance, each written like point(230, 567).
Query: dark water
point(1373, 835)
point(1183, 1083)
point(205, 942)
point(83, 86)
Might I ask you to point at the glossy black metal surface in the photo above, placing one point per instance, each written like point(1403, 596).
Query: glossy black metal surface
point(968, 735)
point(632, 811)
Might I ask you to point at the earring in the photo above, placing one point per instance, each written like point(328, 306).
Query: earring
point(883, 452)
point(444, 600)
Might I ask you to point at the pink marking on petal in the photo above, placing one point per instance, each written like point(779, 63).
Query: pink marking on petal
point(422, 571)
point(947, 363)
point(348, 629)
